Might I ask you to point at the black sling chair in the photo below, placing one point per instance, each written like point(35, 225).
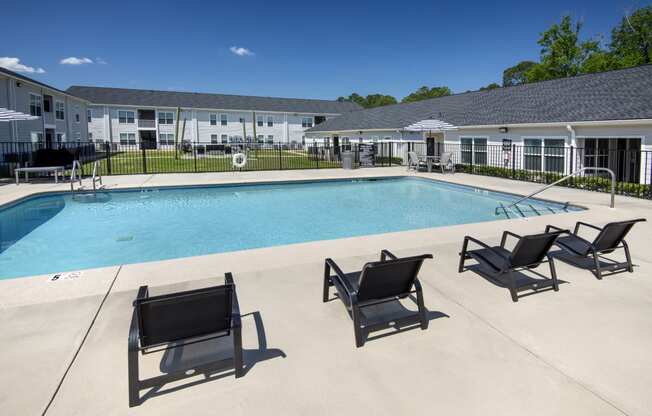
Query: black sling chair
point(378, 282)
point(610, 237)
point(529, 252)
point(174, 320)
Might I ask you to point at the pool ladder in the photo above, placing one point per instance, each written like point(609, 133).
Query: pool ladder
point(76, 176)
point(506, 209)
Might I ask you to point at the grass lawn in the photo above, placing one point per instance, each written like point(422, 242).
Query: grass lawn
point(164, 161)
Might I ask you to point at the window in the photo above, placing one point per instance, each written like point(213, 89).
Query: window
point(47, 103)
point(259, 121)
point(270, 139)
point(165, 118)
point(242, 120)
point(125, 117)
point(166, 139)
point(77, 117)
point(223, 119)
point(127, 138)
point(225, 138)
point(270, 121)
point(61, 137)
point(473, 150)
point(213, 138)
point(553, 152)
point(89, 116)
point(466, 150)
point(90, 136)
point(306, 122)
point(59, 110)
point(35, 105)
point(213, 119)
point(260, 138)
point(532, 154)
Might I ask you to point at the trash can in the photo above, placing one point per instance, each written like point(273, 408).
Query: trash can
point(347, 160)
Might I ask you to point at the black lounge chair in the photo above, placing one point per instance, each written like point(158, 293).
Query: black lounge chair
point(378, 282)
point(169, 321)
point(529, 252)
point(610, 237)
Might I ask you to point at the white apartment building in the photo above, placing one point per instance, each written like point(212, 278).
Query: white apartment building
point(147, 119)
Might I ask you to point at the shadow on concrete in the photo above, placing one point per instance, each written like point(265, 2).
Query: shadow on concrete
point(211, 360)
point(609, 266)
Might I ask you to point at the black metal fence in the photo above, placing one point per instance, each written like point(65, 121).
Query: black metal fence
point(546, 164)
point(128, 159)
point(543, 164)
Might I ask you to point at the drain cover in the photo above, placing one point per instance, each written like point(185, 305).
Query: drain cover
point(124, 238)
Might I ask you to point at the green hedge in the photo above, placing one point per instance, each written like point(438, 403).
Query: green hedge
point(591, 183)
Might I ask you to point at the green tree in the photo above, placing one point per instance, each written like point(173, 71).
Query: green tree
point(425, 93)
point(562, 52)
point(491, 86)
point(370, 101)
point(600, 62)
point(631, 40)
point(515, 75)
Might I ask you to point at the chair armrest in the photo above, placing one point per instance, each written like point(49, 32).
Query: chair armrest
point(386, 253)
point(504, 238)
point(552, 227)
point(143, 293)
point(339, 275)
point(577, 226)
point(235, 305)
point(134, 333)
point(483, 245)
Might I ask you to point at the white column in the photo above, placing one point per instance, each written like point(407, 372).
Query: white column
point(108, 133)
point(286, 128)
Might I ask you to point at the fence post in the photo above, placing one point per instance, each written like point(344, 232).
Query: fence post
point(144, 160)
point(280, 157)
point(108, 157)
point(194, 155)
point(390, 154)
point(513, 161)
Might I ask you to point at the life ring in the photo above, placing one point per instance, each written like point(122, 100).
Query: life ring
point(239, 160)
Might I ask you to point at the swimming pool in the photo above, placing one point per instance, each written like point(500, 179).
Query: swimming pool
point(54, 233)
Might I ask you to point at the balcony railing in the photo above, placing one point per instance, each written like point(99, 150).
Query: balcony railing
point(146, 124)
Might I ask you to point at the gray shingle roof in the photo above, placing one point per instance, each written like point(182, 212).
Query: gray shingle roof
point(152, 98)
point(614, 95)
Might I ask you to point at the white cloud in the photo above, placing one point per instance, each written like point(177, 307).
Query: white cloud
point(100, 61)
point(13, 64)
point(240, 51)
point(75, 61)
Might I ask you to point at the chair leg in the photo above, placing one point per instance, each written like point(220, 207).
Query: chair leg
point(512, 286)
point(630, 266)
point(553, 274)
point(460, 269)
point(359, 337)
point(134, 383)
point(596, 261)
point(238, 361)
point(423, 318)
point(327, 282)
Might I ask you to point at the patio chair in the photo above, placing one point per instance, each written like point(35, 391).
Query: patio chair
point(378, 282)
point(609, 238)
point(171, 321)
point(414, 162)
point(529, 253)
point(446, 162)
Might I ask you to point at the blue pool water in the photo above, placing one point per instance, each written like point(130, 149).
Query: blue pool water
point(55, 233)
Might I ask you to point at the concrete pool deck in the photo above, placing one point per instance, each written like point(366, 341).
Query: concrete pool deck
point(582, 350)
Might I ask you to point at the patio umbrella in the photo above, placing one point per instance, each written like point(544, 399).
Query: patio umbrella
point(11, 115)
point(430, 125)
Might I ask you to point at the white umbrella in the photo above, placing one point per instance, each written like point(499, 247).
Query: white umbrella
point(430, 125)
point(11, 115)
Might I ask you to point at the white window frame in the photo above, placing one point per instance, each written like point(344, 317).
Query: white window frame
point(214, 139)
point(166, 139)
point(89, 115)
point(77, 115)
point(36, 101)
point(165, 119)
point(224, 119)
point(224, 138)
point(128, 139)
point(212, 119)
point(473, 149)
point(36, 136)
point(56, 110)
point(542, 152)
point(270, 139)
point(60, 137)
point(270, 121)
point(307, 124)
point(260, 120)
point(126, 117)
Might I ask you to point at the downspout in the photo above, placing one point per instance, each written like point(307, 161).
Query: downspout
point(573, 143)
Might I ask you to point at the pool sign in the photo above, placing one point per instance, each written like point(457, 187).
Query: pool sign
point(367, 154)
point(507, 145)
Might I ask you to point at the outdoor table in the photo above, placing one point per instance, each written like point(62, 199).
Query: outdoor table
point(55, 169)
point(430, 160)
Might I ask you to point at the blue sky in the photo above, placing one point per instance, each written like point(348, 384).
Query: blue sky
point(298, 49)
